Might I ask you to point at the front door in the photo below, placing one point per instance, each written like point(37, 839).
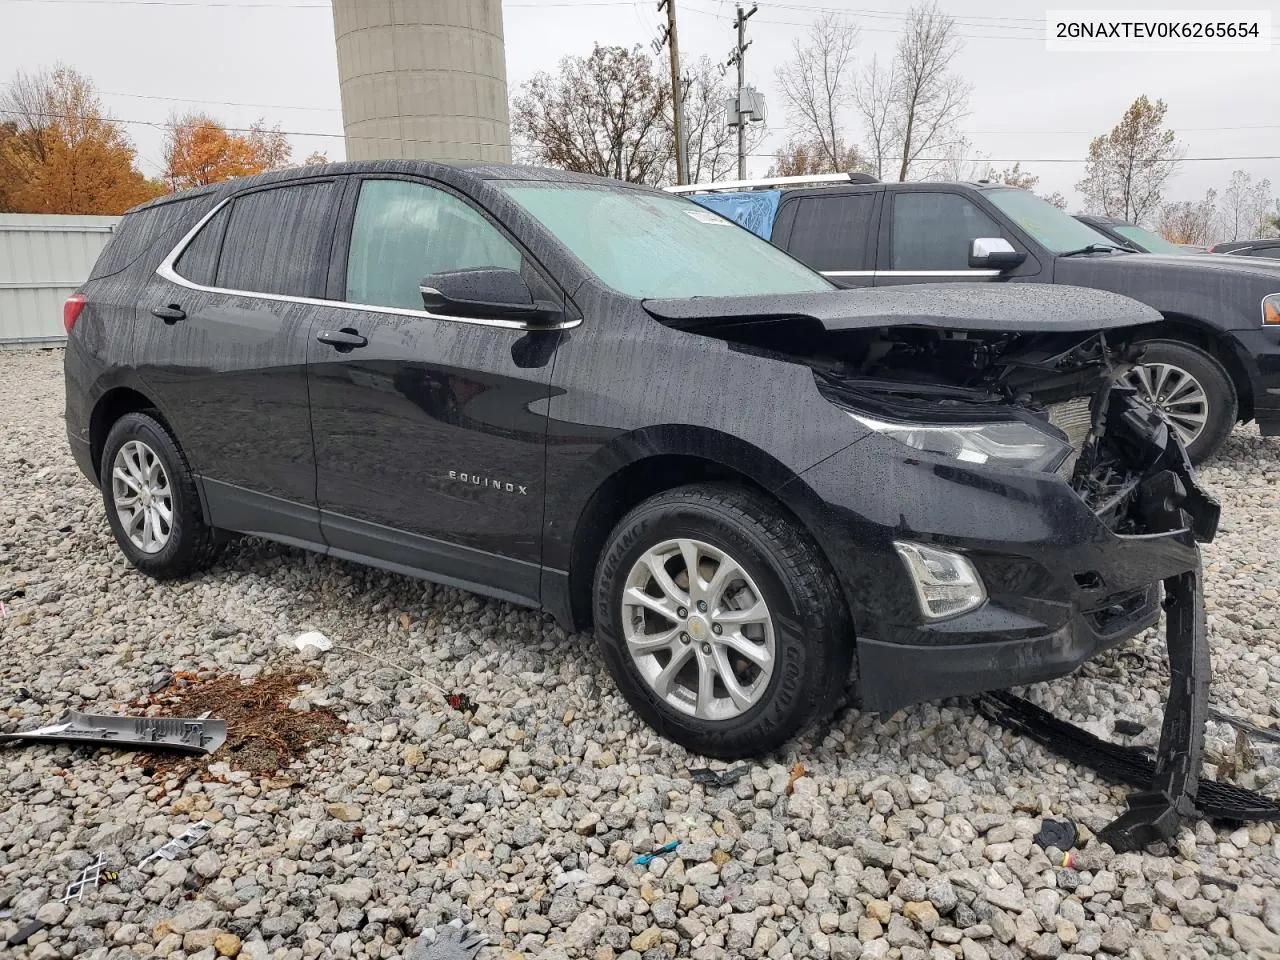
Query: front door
point(928, 238)
point(429, 430)
point(226, 329)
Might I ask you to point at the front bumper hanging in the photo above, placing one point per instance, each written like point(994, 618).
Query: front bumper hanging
point(1168, 783)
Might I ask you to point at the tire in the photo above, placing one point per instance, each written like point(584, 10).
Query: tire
point(1177, 358)
point(805, 635)
point(183, 545)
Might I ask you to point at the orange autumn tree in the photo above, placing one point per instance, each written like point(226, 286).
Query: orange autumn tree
point(201, 151)
point(60, 152)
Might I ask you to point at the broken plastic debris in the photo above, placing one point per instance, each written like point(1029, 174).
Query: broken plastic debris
point(186, 734)
point(1129, 728)
point(179, 844)
point(668, 847)
point(314, 639)
point(26, 932)
point(88, 878)
point(454, 941)
point(1057, 833)
point(718, 778)
point(460, 702)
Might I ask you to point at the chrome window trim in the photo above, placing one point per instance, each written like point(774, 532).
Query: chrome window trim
point(912, 273)
point(167, 271)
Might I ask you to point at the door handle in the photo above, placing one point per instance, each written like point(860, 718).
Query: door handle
point(169, 314)
point(342, 340)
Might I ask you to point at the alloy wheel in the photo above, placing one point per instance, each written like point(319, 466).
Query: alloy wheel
point(142, 496)
point(698, 629)
point(1177, 394)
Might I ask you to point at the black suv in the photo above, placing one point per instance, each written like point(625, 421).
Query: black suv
point(1213, 358)
point(609, 402)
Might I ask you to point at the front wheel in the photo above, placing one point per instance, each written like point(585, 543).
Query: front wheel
point(720, 621)
point(1192, 390)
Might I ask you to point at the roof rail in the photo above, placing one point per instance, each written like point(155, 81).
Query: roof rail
point(770, 183)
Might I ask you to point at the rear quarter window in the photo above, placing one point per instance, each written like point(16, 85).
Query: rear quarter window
point(153, 232)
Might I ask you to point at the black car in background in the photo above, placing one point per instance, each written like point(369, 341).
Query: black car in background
point(1212, 358)
point(1139, 239)
point(1266, 247)
point(610, 403)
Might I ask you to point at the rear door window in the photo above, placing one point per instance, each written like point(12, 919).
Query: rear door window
point(1269, 253)
point(931, 231)
point(405, 231)
point(830, 233)
point(277, 240)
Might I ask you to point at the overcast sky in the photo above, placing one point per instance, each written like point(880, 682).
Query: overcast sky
point(245, 59)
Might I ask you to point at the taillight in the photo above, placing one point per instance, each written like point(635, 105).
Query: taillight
point(71, 310)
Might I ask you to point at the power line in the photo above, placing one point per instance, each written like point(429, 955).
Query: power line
point(483, 143)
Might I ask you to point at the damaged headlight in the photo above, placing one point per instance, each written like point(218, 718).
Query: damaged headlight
point(1011, 443)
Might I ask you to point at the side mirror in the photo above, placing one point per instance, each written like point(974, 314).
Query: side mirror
point(485, 293)
point(994, 252)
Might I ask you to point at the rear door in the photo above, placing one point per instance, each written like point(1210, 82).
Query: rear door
point(925, 237)
point(228, 318)
point(430, 430)
point(833, 233)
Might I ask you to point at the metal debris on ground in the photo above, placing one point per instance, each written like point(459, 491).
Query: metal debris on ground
point(718, 778)
point(1057, 833)
point(1244, 726)
point(184, 734)
point(88, 878)
point(179, 844)
point(453, 941)
point(669, 847)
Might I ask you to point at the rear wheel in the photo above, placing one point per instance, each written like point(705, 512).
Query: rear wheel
point(1192, 390)
point(721, 623)
point(151, 500)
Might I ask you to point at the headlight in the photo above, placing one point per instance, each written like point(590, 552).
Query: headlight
point(1010, 443)
point(1271, 308)
point(946, 583)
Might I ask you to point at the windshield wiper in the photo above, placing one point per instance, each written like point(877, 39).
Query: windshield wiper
point(1096, 248)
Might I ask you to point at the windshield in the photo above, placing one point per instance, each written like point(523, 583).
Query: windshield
point(1054, 229)
point(1145, 239)
point(656, 245)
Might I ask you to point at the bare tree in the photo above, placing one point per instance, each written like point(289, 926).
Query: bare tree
point(1127, 168)
point(713, 146)
point(931, 99)
point(604, 114)
point(798, 158)
point(873, 98)
point(817, 87)
point(1246, 206)
point(1192, 222)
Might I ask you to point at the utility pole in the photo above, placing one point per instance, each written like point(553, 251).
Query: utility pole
point(677, 93)
point(738, 56)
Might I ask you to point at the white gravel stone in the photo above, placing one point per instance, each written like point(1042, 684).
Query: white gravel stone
point(416, 814)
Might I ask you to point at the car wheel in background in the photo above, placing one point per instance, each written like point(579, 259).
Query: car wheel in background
point(1193, 391)
point(151, 500)
point(720, 621)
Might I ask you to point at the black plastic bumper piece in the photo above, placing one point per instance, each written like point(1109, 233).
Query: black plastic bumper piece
point(1168, 784)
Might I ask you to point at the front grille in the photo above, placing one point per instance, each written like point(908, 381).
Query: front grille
point(1075, 419)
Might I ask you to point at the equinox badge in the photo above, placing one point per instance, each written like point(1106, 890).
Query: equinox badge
point(491, 483)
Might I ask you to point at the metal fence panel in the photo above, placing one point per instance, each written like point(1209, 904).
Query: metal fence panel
point(43, 258)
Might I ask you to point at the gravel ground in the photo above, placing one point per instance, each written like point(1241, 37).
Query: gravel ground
point(908, 837)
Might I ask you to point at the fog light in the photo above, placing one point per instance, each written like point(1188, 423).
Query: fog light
point(946, 583)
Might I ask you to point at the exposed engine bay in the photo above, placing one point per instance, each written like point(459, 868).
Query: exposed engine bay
point(1072, 380)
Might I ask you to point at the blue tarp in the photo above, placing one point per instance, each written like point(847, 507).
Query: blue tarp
point(753, 209)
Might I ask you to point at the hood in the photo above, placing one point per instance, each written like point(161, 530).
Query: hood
point(1165, 263)
point(988, 307)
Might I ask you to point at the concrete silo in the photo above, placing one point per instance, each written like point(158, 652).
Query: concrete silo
point(423, 78)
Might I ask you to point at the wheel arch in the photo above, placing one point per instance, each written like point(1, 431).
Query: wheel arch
point(1189, 329)
point(647, 463)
